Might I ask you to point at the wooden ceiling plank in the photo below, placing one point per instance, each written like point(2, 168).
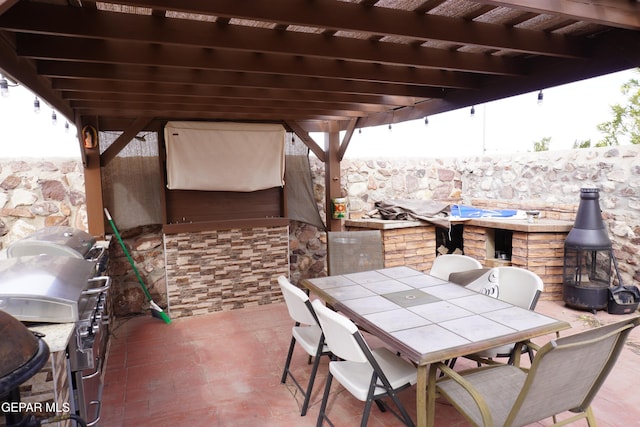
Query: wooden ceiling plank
point(6, 5)
point(179, 32)
point(84, 50)
point(133, 99)
point(63, 71)
point(21, 71)
point(346, 16)
point(127, 135)
point(199, 94)
point(145, 102)
point(306, 139)
point(613, 13)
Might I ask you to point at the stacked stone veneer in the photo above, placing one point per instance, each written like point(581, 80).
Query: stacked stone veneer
point(225, 269)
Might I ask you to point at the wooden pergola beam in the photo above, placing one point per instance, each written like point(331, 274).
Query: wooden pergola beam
point(127, 135)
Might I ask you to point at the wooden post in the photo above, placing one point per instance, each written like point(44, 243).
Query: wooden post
point(332, 173)
point(92, 178)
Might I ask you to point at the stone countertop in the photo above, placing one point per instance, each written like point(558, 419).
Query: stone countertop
point(56, 335)
point(538, 226)
point(383, 224)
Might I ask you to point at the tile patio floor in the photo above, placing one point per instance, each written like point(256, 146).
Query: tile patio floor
point(224, 369)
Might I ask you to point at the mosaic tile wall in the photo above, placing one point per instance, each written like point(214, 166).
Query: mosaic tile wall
point(222, 270)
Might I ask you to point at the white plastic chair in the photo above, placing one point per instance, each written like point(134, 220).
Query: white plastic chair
point(446, 264)
point(306, 332)
point(520, 287)
point(368, 375)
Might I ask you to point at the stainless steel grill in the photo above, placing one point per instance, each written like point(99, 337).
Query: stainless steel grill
point(56, 275)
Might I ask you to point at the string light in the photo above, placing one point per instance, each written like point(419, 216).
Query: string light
point(36, 105)
point(66, 126)
point(473, 110)
point(426, 120)
point(4, 87)
point(540, 97)
point(54, 118)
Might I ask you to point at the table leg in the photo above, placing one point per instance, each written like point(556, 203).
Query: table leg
point(421, 396)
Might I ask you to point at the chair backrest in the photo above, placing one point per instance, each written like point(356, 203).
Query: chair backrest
point(354, 251)
point(567, 373)
point(297, 301)
point(519, 286)
point(340, 334)
point(446, 264)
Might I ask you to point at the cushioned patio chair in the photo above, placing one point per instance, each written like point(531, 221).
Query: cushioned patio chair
point(446, 264)
point(565, 375)
point(369, 375)
point(306, 332)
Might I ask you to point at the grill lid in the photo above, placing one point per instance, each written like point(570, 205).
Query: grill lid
point(44, 288)
point(55, 240)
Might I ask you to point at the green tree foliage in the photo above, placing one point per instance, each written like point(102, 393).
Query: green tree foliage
point(626, 118)
point(542, 145)
point(582, 144)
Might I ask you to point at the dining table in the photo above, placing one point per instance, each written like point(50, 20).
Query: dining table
point(427, 319)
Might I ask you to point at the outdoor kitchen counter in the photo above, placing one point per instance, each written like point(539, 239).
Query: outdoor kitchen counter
point(56, 335)
point(538, 226)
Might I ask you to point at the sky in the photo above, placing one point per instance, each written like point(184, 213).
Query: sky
point(567, 114)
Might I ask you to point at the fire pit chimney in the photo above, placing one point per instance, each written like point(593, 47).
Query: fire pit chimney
point(589, 230)
point(587, 257)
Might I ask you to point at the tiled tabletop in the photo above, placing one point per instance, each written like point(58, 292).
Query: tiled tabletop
point(426, 318)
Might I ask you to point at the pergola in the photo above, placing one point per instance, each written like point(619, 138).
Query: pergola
point(312, 65)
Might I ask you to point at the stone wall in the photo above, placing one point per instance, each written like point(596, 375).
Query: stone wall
point(546, 181)
point(40, 193)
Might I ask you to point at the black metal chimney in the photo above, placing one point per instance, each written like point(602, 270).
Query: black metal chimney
point(588, 257)
point(589, 231)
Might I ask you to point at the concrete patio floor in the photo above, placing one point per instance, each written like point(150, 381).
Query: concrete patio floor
point(224, 369)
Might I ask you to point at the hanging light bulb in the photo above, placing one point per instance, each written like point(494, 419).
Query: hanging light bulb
point(36, 105)
point(540, 97)
point(426, 120)
point(54, 118)
point(66, 126)
point(4, 87)
point(390, 129)
point(360, 131)
point(473, 111)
